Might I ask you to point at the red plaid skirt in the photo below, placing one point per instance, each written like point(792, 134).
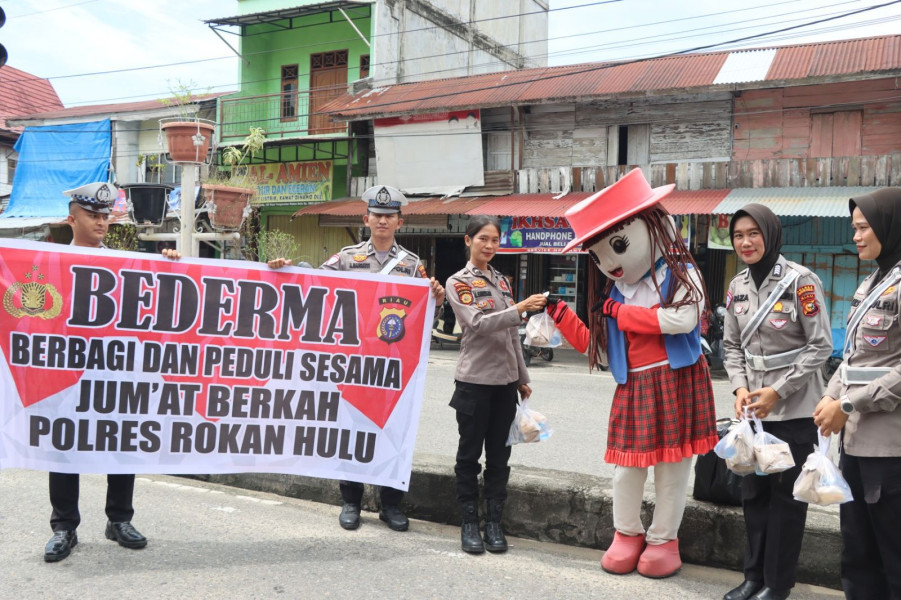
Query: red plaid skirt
point(662, 414)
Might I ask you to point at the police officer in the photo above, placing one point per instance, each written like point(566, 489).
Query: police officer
point(89, 210)
point(489, 373)
point(380, 254)
point(777, 337)
point(861, 402)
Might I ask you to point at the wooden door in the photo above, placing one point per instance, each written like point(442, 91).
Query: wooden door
point(328, 80)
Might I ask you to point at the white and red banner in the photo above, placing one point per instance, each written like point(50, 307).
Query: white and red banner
point(119, 362)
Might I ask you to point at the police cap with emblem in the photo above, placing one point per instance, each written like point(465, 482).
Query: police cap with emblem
point(384, 200)
point(95, 197)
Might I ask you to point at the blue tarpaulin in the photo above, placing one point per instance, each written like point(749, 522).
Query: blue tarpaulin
point(55, 158)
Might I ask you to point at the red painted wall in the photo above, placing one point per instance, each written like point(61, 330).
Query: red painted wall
point(811, 121)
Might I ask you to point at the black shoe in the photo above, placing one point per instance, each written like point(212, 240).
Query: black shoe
point(350, 516)
point(771, 594)
point(60, 545)
point(395, 519)
point(125, 534)
point(744, 591)
point(470, 539)
point(494, 538)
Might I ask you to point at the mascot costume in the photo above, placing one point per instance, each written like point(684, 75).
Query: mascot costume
point(644, 326)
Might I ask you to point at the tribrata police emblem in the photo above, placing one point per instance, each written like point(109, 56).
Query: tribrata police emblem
point(32, 298)
point(391, 326)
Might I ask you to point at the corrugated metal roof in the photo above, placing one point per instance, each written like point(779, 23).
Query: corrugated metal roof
point(794, 202)
point(846, 57)
point(22, 93)
point(103, 109)
point(529, 205)
point(746, 66)
point(693, 202)
point(349, 207)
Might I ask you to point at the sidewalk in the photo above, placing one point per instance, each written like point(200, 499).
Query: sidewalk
point(574, 509)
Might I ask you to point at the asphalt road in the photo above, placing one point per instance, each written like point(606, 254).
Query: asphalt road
point(213, 542)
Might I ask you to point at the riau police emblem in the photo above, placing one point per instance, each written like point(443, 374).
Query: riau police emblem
point(30, 299)
point(391, 326)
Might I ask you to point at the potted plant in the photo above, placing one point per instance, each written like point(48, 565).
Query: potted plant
point(187, 136)
point(228, 195)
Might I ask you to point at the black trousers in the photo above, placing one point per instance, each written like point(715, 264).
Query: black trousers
point(871, 546)
point(352, 492)
point(774, 520)
point(64, 489)
point(484, 415)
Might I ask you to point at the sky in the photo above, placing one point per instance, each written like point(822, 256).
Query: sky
point(109, 51)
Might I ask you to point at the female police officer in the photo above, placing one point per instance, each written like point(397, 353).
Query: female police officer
point(868, 389)
point(777, 337)
point(489, 373)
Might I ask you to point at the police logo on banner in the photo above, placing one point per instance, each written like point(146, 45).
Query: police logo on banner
point(29, 299)
point(391, 326)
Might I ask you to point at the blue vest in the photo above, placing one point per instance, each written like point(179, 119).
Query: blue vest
point(682, 349)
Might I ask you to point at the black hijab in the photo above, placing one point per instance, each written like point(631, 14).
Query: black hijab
point(771, 228)
point(882, 210)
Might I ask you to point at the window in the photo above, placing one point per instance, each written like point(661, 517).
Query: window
point(629, 144)
point(364, 66)
point(835, 134)
point(10, 169)
point(289, 93)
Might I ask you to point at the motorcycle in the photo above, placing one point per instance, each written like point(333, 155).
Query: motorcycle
point(445, 329)
point(529, 351)
point(712, 339)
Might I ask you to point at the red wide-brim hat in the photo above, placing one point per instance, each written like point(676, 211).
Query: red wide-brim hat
point(613, 204)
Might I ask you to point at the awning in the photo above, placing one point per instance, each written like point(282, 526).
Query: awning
point(794, 202)
point(417, 206)
point(528, 205)
point(693, 202)
point(32, 228)
point(281, 14)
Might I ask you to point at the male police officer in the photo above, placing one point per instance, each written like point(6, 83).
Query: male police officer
point(89, 211)
point(380, 254)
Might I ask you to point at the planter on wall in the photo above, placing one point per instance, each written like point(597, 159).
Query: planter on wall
point(188, 141)
point(227, 205)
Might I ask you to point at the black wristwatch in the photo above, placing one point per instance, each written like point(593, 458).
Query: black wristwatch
point(846, 405)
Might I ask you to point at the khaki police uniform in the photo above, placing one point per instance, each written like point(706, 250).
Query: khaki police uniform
point(489, 371)
point(362, 258)
point(871, 446)
point(786, 352)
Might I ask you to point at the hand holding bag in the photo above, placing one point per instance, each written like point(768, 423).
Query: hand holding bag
point(820, 481)
point(771, 454)
point(541, 332)
point(528, 426)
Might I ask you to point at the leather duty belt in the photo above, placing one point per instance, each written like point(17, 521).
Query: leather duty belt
point(862, 375)
point(772, 362)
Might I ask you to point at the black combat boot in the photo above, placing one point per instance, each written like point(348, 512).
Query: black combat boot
point(494, 533)
point(469, 534)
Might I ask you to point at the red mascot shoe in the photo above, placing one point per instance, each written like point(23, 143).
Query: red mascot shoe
point(622, 555)
point(660, 561)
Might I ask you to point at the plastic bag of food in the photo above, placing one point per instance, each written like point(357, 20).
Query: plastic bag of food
point(771, 454)
point(737, 448)
point(820, 481)
point(528, 426)
point(541, 332)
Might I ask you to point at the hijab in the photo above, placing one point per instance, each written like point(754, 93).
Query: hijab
point(771, 228)
point(882, 210)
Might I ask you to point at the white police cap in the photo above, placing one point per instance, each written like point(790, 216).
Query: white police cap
point(95, 197)
point(384, 200)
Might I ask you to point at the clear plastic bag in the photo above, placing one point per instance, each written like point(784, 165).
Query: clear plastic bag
point(528, 426)
point(541, 332)
point(820, 481)
point(737, 448)
point(771, 454)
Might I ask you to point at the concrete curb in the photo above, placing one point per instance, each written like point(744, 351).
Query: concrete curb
point(571, 508)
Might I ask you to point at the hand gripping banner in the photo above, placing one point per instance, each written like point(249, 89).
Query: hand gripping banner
point(119, 362)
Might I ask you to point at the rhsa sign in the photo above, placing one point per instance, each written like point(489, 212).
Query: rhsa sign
point(117, 362)
point(534, 234)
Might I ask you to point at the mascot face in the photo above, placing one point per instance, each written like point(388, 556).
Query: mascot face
point(624, 254)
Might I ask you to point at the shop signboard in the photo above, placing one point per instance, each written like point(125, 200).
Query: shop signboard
point(291, 183)
point(534, 234)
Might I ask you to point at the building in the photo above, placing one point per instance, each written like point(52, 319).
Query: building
point(297, 56)
point(800, 128)
point(20, 93)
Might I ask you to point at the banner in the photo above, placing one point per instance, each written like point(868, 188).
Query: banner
point(718, 238)
point(292, 182)
point(119, 362)
point(534, 234)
